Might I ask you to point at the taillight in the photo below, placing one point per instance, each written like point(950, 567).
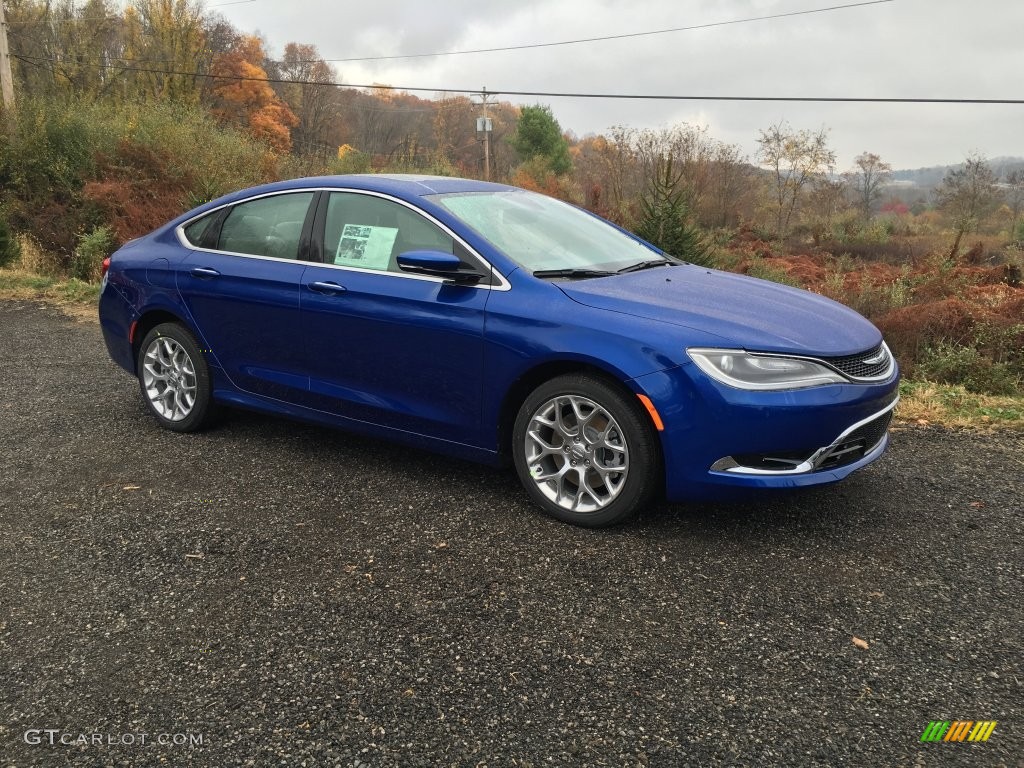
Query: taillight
point(105, 267)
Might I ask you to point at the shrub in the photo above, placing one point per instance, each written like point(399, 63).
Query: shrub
point(70, 166)
point(52, 147)
point(874, 300)
point(949, 363)
point(37, 260)
point(350, 161)
point(758, 267)
point(92, 249)
point(10, 248)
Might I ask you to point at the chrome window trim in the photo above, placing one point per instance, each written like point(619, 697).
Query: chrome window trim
point(503, 283)
point(729, 465)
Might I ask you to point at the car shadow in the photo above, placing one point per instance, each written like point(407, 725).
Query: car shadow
point(772, 516)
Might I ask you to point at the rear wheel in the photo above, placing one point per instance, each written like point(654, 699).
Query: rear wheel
point(174, 378)
point(585, 451)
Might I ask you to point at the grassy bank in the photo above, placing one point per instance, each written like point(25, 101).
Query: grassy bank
point(22, 284)
point(922, 402)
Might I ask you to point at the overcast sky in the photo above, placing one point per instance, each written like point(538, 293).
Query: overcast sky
point(903, 48)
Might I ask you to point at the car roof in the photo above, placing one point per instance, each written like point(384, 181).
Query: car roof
point(400, 185)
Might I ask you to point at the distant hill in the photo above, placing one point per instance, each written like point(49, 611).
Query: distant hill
point(930, 178)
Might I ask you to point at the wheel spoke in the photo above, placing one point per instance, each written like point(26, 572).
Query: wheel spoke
point(561, 490)
point(584, 489)
point(155, 375)
point(583, 420)
point(166, 352)
point(558, 474)
point(560, 424)
point(546, 448)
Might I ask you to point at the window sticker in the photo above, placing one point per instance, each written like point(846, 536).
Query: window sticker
point(365, 246)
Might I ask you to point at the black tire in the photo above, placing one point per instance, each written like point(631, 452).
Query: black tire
point(623, 422)
point(167, 398)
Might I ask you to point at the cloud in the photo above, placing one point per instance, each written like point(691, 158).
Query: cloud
point(905, 48)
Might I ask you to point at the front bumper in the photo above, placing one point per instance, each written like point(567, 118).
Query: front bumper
point(719, 440)
point(856, 442)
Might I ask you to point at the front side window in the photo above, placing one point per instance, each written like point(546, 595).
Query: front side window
point(267, 226)
point(370, 232)
point(541, 233)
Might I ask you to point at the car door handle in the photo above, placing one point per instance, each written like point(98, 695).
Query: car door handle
point(328, 288)
point(204, 272)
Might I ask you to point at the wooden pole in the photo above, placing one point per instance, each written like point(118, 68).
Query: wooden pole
point(487, 142)
point(6, 79)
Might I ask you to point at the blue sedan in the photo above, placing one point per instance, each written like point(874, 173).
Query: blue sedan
point(494, 324)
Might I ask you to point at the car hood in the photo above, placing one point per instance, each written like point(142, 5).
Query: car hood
point(751, 313)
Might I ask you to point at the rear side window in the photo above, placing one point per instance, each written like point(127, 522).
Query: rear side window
point(370, 232)
point(196, 233)
point(269, 226)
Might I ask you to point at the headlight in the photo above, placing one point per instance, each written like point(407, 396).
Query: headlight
point(744, 370)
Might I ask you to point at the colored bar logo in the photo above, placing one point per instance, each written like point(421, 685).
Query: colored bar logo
point(958, 730)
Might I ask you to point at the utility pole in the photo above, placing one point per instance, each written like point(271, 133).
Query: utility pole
point(6, 79)
point(484, 124)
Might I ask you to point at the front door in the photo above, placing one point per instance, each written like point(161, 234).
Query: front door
point(382, 346)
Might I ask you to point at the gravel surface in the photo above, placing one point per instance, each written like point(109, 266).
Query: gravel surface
point(296, 596)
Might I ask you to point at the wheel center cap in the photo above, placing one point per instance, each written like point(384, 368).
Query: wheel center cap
point(578, 452)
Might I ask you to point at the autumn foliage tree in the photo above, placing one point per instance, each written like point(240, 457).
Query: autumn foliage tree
point(307, 92)
point(244, 98)
point(867, 180)
point(967, 195)
point(795, 159)
point(171, 32)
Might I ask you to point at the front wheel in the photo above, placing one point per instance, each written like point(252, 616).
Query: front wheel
point(586, 452)
point(174, 378)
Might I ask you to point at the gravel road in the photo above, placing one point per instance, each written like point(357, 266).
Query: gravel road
point(288, 595)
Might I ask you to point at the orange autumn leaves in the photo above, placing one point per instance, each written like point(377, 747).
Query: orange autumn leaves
point(251, 103)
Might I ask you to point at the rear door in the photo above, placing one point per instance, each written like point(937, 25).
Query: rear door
point(384, 346)
point(241, 286)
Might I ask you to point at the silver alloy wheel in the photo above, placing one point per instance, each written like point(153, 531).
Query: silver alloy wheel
point(169, 379)
point(576, 453)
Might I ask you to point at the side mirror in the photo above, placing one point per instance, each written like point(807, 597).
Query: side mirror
point(438, 264)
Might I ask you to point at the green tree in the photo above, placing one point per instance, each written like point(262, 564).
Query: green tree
point(538, 135)
point(665, 219)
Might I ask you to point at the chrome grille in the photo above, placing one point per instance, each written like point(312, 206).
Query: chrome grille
point(857, 367)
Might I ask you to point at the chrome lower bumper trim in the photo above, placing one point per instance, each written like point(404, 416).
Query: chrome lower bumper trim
point(812, 462)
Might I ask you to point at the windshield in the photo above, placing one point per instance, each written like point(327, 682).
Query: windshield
point(541, 233)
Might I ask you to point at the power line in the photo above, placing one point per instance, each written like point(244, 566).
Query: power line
point(566, 94)
point(527, 46)
point(613, 37)
point(67, 20)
